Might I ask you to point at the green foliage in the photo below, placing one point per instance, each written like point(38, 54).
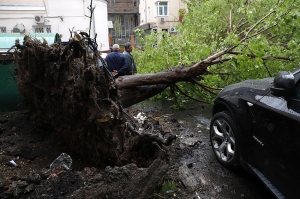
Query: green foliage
point(168, 188)
point(181, 12)
point(117, 27)
point(205, 31)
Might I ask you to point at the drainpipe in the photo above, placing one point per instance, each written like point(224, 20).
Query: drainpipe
point(46, 8)
point(146, 11)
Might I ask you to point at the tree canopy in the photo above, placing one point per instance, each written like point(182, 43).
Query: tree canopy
point(263, 36)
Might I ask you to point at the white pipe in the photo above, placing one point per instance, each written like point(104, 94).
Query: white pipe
point(146, 11)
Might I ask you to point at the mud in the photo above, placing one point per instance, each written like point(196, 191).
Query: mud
point(33, 147)
point(215, 181)
point(190, 171)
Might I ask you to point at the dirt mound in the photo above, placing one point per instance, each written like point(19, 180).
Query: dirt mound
point(33, 147)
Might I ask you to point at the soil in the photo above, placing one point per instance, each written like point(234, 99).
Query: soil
point(27, 150)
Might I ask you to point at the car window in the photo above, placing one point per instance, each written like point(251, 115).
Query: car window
point(297, 91)
point(296, 74)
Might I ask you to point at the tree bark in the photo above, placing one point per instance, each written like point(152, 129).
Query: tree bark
point(169, 76)
point(134, 95)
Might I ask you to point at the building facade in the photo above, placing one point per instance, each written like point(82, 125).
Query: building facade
point(55, 16)
point(160, 15)
point(123, 15)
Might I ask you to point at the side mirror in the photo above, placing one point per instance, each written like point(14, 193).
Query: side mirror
point(283, 84)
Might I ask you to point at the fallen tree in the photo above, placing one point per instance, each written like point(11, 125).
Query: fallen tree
point(64, 86)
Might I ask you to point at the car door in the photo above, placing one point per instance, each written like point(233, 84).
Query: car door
point(276, 142)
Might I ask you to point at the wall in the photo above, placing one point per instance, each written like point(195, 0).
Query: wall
point(126, 13)
point(60, 15)
point(122, 6)
point(155, 21)
point(9, 96)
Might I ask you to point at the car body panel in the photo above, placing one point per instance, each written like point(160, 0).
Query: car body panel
point(236, 98)
point(276, 142)
point(268, 131)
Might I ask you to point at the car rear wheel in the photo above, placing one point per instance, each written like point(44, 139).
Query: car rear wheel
point(223, 139)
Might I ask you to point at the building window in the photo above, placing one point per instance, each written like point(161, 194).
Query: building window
point(42, 29)
point(161, 8)
point(134, 3)
point(2, 29)
point(112, 3)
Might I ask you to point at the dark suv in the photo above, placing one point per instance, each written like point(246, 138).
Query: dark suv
point(256, 125)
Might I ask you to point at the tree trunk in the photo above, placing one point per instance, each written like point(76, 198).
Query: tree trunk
point(137, 94)
point(170, 76)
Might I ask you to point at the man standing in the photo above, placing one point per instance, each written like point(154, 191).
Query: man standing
point(116, 62)
point(131, 68)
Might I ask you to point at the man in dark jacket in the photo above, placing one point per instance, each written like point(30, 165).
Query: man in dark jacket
point(116, 62)
point(131, 68)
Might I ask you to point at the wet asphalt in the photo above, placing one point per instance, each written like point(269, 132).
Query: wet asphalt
point(221, 182)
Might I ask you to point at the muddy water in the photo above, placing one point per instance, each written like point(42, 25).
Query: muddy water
point(217, 182)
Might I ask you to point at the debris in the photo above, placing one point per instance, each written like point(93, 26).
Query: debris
point(192, 141)
point(198, 197)
point(141, 118)
point(187, 177)
point(63, 160)
point(13, 163)
point(170, 192)
point(29, 188)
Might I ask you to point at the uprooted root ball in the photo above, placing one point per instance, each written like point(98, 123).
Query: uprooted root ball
point(80, 101)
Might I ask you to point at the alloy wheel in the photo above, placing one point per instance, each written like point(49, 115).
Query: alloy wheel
point(223, 140)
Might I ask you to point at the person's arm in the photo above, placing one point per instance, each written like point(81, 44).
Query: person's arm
point(110, 65)
point(122, 70)
point(129, 62)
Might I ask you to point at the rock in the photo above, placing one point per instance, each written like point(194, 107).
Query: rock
point(2, 182)
point(187, 177)
point(29, 188)
point(34, 178)
point(192, 141)
point(22, 184)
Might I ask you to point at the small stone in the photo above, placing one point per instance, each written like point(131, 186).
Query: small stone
point(29, 188)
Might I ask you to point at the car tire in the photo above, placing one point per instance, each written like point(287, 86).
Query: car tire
point(223, 138)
